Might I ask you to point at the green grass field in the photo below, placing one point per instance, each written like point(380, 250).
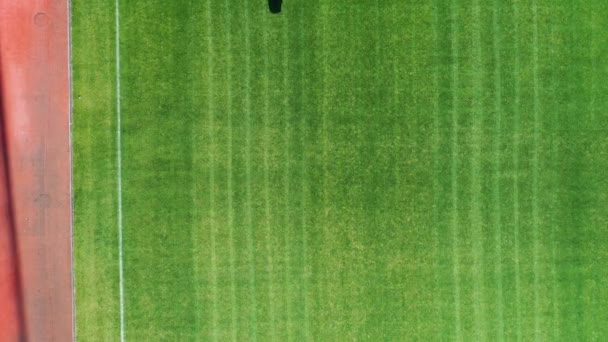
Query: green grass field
point(393, 170)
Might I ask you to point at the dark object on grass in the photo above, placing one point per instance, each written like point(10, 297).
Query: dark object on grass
point(275, 6)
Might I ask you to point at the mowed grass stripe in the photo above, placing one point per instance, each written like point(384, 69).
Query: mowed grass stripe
point(402, 26)
point(237, 74)
point(280, 47)
point(293, 173)
point(569, 34)
point(340, 231)
point(444, 178)
point(222, 146)
point(592, 14)
point(496, 190)
point(437, 142)
point(555, 323)
point(94, 134)
point(598, 20)
point(213, 271)
point(287, 187)
point(305, 266)
point(535, 173)
point(516, 147)
point(489, 173)
point(200, 161)
point(475, 215)
point(317, 149)
point(267, 142)
point(277, 115)
point(586, 175)
point(159, 287)
point(398, 242)
point(579, 122)
point(570, 183)
point(261, 199)
point(467, 131)
point(196, 189)
point(253, 307)
point(547, 173)
point(525, 170)
point(454, 173)
point(508, 171)
point(229, 187)
point(324, 284)
point(568, 283)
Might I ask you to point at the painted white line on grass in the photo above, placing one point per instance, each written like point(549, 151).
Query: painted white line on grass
point(119, 178)
point(71, 176)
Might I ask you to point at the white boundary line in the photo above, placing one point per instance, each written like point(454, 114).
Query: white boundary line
point(71, 176)
point(119, 178)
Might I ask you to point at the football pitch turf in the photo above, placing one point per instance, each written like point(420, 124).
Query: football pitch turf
point(346, 170)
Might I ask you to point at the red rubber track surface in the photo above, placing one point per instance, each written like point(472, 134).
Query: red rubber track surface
point(11, 314)
point(35, 213)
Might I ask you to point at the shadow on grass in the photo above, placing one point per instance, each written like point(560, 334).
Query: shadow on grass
point(275, 6)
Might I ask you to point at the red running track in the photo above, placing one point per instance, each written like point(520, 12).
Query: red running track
point(35, 202)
